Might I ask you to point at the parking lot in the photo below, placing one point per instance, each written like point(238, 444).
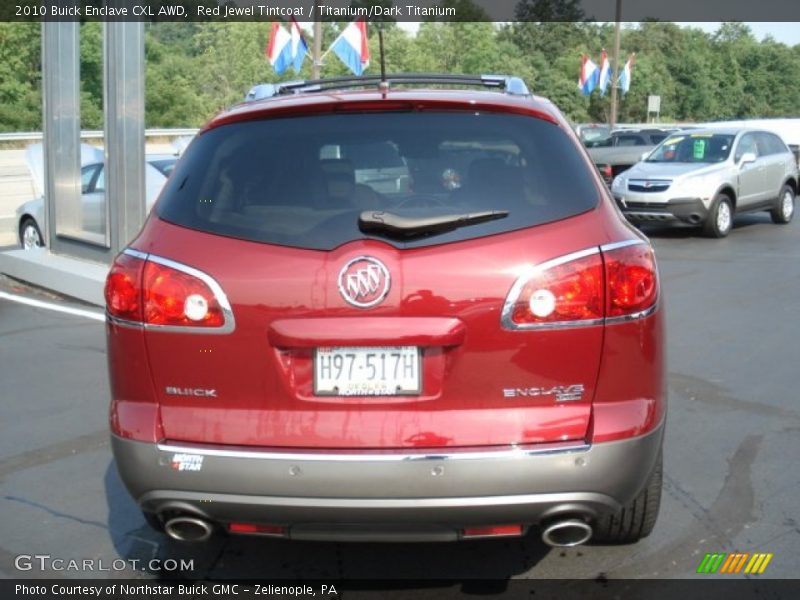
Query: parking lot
point(731, 475)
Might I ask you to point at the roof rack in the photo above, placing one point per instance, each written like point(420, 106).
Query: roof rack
point(510, 85)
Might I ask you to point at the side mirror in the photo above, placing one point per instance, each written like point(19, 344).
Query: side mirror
point(644, 155)
point(747, 157)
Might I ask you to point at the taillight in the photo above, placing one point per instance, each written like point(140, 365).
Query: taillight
point(123, 291)
point(632, 281)
point(157, 292)
point(557, 293)
point(605, 171)
point(174, 297)
point(585, 288)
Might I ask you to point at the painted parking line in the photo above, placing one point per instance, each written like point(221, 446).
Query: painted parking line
point(78, 312)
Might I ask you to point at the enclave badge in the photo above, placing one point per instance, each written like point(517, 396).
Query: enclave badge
point(364, 281)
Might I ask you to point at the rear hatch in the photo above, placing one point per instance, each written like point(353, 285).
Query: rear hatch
point(372, 318)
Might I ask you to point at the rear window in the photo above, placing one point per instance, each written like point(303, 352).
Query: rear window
point(305, 181)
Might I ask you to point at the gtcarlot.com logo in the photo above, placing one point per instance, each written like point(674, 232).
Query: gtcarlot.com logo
point(46, 562)
point(722, 563)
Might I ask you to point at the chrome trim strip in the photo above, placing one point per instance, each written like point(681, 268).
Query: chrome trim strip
point(634, 316)
point(228, 326)
point(366, 457)
point(622, 244)
point(135, 253)
point(123, 322)
point(522, 280)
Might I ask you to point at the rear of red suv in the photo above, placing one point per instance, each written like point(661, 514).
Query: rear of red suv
point(388, 315)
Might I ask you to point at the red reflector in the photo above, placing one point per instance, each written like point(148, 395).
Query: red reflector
point(256, 528)
point(493, 531)
point(632, 279)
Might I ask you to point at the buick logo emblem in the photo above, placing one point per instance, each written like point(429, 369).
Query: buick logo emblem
point(364, 281)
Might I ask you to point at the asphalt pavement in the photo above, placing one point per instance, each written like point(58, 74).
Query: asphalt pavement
point(731, 474)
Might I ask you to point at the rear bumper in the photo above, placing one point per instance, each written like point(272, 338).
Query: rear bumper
point(396, 496)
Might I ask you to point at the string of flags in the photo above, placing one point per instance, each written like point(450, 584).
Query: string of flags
point(289, 48)
point(593, 77)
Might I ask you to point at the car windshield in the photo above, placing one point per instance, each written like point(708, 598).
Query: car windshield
point(409, 178)
point(693, 148)
point(164, 165)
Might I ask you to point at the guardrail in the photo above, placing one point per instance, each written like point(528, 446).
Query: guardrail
point(36, 136)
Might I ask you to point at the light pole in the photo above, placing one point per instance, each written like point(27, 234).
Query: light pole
point(612, 120)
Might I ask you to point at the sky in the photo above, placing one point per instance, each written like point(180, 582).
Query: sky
point(788, 33)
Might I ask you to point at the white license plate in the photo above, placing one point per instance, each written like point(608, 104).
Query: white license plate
point(367, 371)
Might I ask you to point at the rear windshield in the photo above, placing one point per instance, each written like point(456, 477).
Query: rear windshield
point(306, 181)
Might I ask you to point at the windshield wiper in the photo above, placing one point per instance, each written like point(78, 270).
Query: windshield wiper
point(392, 225)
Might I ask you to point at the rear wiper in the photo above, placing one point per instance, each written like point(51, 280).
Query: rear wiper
point(392, 225)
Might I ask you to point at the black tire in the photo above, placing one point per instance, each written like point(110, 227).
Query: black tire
point(637, 519)
point(717, 225)
point(783, 211)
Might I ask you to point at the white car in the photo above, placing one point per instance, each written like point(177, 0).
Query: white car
point(30, 215)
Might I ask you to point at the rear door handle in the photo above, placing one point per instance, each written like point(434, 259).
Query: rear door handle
point(366, 331)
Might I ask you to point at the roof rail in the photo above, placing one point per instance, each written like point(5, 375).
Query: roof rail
point(509, 84)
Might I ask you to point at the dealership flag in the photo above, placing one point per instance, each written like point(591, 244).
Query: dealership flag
point(299, 46)
point(351, 47)
point(279, 49)
point(605, 73)
point(589, 75)
point(625, 76)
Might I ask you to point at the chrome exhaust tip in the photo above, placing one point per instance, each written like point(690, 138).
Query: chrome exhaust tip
point(566, 533)
point(188, 529)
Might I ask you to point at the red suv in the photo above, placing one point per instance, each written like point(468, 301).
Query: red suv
point(362, 311)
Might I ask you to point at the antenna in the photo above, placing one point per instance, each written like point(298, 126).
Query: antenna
point(383, 86)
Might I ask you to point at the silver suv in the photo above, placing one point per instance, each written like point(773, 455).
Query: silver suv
point(705, 176)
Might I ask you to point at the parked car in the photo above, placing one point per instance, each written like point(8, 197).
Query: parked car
point(30, 215)
point(623, 149)
point(295, 353)
point(704, 177)
point(592, 132)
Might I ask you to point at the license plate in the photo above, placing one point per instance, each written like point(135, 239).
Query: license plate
point(367, 371)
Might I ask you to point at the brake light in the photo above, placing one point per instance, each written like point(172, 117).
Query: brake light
point(173, 297)
point(557, 293)
point(606, 171)
point(585, 288)
point(123, 291)
point(632, 280)
point(158, 292)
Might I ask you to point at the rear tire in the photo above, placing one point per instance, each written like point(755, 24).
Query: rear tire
point(637, 519)
point(783, 211)
point(720, 218)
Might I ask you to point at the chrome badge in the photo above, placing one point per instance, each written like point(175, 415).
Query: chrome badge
point(561, 393)
point(364, 281)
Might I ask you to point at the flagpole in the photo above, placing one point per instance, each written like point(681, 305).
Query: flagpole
point(612, 120)
point(317, 48)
